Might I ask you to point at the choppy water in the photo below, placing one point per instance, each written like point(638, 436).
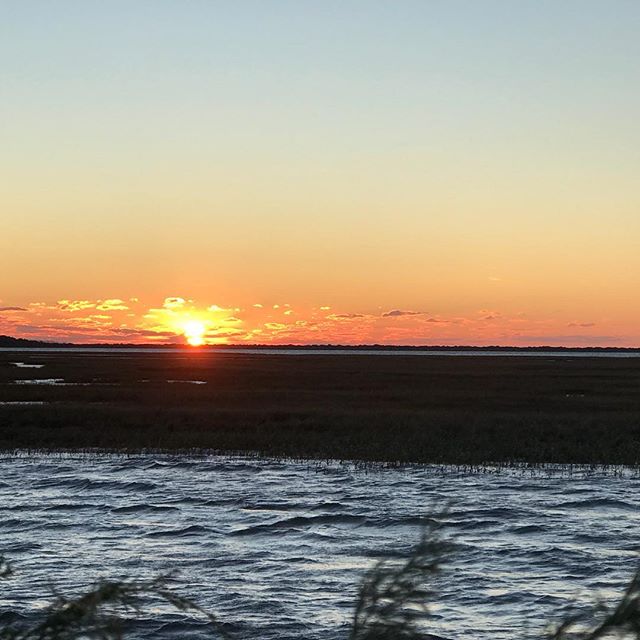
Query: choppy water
point(277, 548)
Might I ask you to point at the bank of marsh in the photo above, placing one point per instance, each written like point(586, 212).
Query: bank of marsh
point(461, 410)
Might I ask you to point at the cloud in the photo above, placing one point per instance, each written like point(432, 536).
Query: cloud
point(567, 340)
point(29, 328)
point(345, 316)
point(225, 332)
point(75, 305)
point(110, 320)
point(173, 303)
point(112, 304)
point(396, 313)
point(81, 321)
point(275, 326)
point(123, 331)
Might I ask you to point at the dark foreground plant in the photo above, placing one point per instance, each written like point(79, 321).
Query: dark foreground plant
point(100, 613)
point(393, 599)
point(621, 620)
point(392, 604)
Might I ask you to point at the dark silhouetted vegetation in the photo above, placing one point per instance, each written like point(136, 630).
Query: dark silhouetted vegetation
point(103, 611)
point(622, 620)
point(8, 342)
point(452, 410)
point(393, 600)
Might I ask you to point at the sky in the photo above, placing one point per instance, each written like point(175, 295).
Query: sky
point(289, 171)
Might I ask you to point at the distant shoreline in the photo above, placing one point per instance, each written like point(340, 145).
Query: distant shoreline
point(9, 343)
point(344, 352)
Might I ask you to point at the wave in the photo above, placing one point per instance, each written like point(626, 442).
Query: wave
point(590, 503)
point(182, 629)
point(19, 523)
point(143, 508)
point(89, 483)
point(192, 530)
point(499, 513)
point(299, 522)
point(360, 520)
point(11, 617)
point(74, 506)
point(527, 528)
point(292, 506)
point(19, 547)
point(517, 597)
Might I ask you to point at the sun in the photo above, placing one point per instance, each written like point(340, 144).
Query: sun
point(194, 332)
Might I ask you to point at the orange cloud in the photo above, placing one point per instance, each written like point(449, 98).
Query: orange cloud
point(75, 305)
point(173, 303)
point(345, 316)
point(113, 320)
point(397, 313)
point(112, 304)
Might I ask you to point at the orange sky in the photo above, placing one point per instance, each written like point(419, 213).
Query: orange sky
point(130, 320)
point(436, 173)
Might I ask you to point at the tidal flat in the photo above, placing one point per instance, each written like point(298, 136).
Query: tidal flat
point(464, 410)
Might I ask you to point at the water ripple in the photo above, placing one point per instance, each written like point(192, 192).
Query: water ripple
point(277, 548)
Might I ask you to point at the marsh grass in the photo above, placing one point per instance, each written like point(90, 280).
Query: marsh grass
point(400, 409)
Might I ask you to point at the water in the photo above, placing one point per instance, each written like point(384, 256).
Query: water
point(277, 548)
point(26, 365)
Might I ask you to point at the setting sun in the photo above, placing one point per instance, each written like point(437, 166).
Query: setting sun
point(194, 331)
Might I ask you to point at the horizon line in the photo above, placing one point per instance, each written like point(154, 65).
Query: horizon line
point(44, 344)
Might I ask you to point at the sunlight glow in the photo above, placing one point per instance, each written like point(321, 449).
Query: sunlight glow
point(194, 331)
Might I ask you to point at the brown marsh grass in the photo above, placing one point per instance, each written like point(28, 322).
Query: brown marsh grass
point(399, 408)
